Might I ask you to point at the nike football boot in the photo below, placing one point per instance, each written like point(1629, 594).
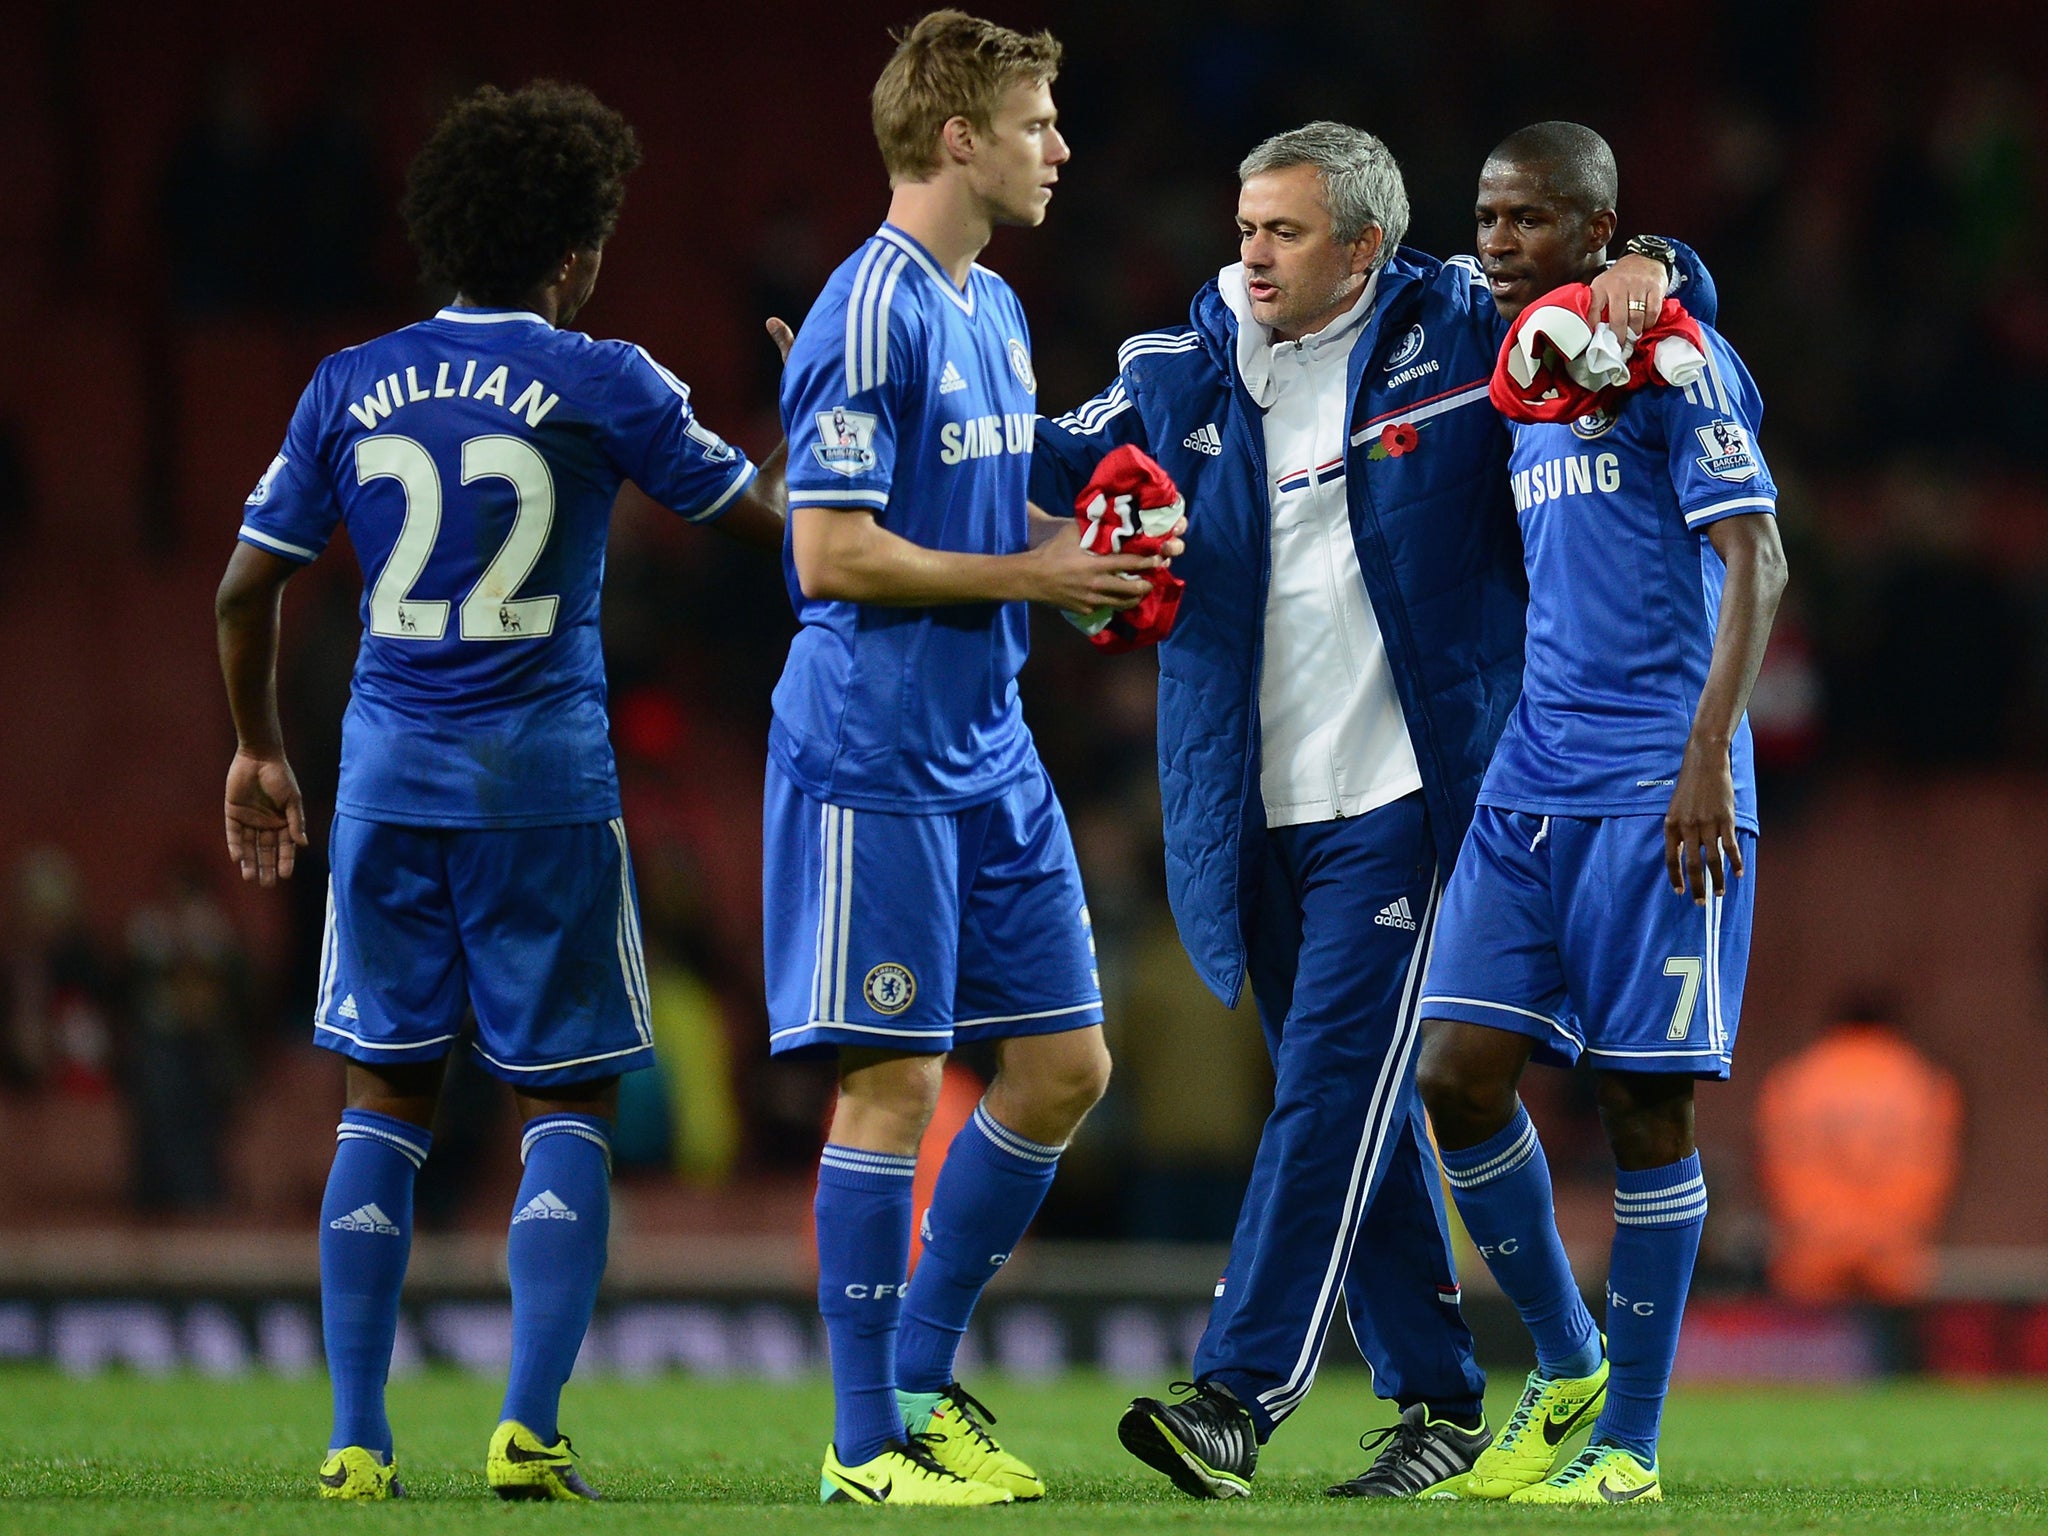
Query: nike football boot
point(1420, 1458)
point(1600, 1474)
point(903, 1473)
point(1553, 1410)
point(520, 1467)
point(355, 1473)
point(953, 1427)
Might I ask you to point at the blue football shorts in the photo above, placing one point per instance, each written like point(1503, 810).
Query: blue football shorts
point(912, 933)
point(534, 927)
point(1566, 929)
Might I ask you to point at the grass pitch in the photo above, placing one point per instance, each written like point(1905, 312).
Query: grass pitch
point(174, 1455)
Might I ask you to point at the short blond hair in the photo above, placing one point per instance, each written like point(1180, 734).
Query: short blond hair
point(951, 65)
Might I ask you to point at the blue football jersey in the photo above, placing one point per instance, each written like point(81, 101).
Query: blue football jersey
point(912, 400)
point(475, 457)
point(1625, 593)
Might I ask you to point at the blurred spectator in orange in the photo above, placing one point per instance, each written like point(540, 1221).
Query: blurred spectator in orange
point(53, 1032)
point(1859, 1143)
point(188, 1005)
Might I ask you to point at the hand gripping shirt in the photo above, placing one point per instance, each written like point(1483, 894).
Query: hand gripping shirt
point(907, 398)
point(475, 457)
point(1625, 592)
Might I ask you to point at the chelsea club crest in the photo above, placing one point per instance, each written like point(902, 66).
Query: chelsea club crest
point(1596, 423)
point(1020, 364)
point(1408, 350)
point(889, 988)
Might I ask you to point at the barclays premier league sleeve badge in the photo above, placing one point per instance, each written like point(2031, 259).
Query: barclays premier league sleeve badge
point(1728, 456)
point(846, 441)
point(262, 492)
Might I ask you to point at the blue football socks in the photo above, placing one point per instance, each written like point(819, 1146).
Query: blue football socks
point(555, 1253)
point(1658, 1217)
point(1502, 1187)
point(991, 1186)
point(365, 1240)
point(863, 1217)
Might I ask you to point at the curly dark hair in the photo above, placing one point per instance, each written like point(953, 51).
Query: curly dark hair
point(511, 182)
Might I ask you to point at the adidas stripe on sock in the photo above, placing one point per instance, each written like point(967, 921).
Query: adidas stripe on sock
point(555, 1253)
point(1659, 1214)
point(365, 1243)
point(991, 1186)
point(863, 1223)
point(1502, 1188)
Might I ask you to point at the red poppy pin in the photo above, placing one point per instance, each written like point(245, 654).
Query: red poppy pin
point(1396, 438)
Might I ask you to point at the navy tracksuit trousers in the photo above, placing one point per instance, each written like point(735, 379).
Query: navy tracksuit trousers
point(1344, 1199)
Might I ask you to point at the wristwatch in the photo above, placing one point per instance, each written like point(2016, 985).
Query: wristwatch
point(1657, 248)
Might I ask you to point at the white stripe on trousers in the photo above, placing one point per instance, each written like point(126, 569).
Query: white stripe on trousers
point(1282, 1400)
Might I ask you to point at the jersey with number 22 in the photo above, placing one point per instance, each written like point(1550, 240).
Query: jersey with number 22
point(475, 458)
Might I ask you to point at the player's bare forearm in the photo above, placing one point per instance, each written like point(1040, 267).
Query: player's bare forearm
point(246, 620)
point(1749, 547)
point(757, 516)
point(264, 812)
point(1701, 820)
point(846, 556)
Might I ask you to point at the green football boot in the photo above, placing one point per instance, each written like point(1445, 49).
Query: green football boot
point(1553, 1410)
point(518, 1466)
point(903, 1473)
point(953, 1427)
point(355, 1473)
point(1600, 1474)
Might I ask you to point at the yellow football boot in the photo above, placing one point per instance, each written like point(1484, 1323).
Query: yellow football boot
point(1600, 1474)
point(518, 1466)
point(355, 1473)
point(1553, 1410)
point(953, 1427)
point(901, 1474)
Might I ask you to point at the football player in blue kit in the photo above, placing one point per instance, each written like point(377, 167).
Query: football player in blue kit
point(920, 886)
point(478, 857)
point(1601, 904)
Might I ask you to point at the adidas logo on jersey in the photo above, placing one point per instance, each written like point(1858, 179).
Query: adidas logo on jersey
point(545, 1206)
point(1205, 439)
point(950, 382)
point(1396, 914)
point(348, 1007)
point(366, 1218)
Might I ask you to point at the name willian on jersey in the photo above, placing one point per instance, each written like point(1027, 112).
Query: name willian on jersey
point(400, 388)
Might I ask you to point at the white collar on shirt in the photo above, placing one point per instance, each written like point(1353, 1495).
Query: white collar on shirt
point(1255, 341)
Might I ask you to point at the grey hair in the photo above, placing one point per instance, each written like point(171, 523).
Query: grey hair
point(1362, 185)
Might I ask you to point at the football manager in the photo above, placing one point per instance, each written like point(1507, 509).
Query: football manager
point(1347, 651)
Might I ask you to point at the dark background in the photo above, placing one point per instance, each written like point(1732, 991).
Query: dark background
point(199, 203)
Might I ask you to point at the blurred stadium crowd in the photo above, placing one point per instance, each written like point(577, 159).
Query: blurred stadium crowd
point(203, 202)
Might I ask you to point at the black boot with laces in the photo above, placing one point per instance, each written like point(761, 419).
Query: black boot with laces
point(1206, 1443)
point(1419, 1458)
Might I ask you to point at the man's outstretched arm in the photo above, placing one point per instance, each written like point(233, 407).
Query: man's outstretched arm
point(266, 816)
point(757, 514)
point(844, 555)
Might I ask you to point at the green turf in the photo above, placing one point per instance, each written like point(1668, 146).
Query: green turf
point(123, 1454)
